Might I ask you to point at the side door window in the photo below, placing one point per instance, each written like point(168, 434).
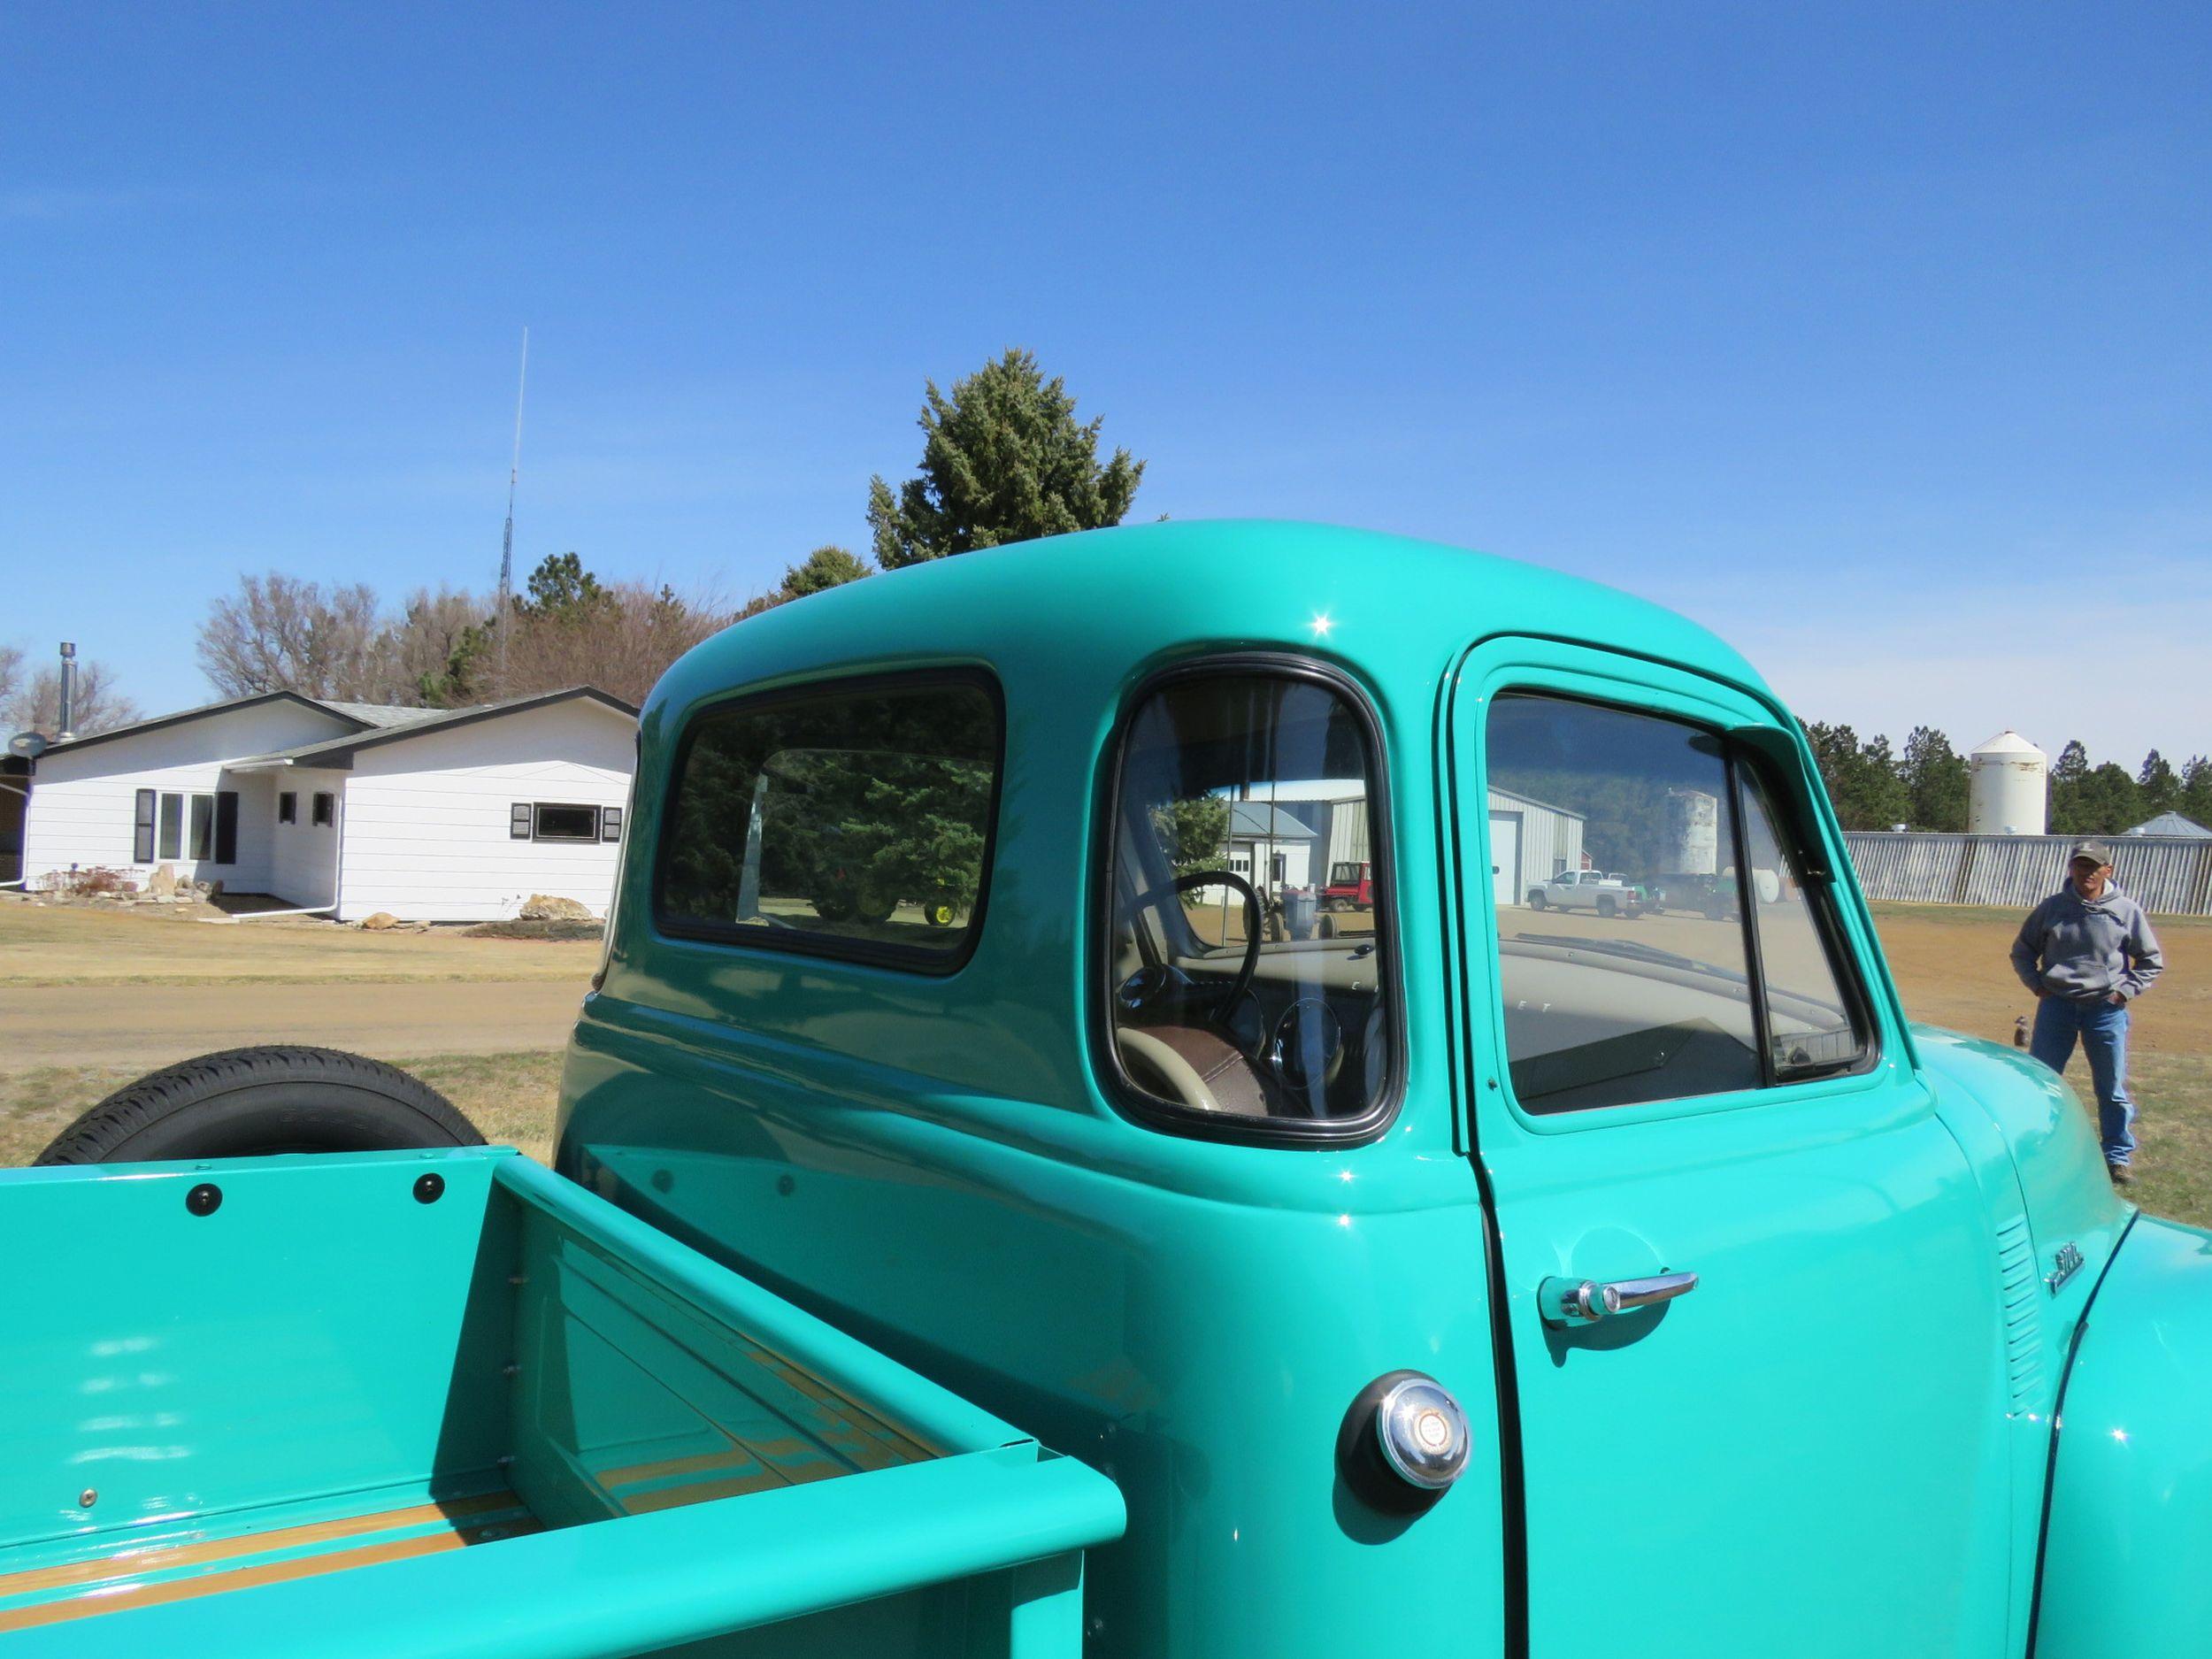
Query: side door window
point(1697, 962)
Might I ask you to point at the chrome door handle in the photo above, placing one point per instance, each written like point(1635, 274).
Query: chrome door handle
point(1585, 1300)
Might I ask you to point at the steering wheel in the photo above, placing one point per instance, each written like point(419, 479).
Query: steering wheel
point(1225, 1000)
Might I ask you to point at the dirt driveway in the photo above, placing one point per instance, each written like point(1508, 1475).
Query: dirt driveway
point(87, 987)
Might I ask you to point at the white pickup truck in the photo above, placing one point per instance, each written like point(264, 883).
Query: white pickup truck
point(1591, 890)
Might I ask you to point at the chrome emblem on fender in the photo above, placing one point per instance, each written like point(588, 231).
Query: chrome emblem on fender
point(2064, 1264)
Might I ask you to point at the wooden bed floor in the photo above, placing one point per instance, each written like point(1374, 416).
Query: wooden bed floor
point(149, 1575)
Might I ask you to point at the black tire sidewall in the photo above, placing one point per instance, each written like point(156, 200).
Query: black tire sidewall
point(257, 1102)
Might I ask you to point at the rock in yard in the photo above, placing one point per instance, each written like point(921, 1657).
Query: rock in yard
point(163, 882)
point(543, 907)
point(378, 922)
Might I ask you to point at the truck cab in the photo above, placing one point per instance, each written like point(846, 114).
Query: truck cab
point(1462, 1284)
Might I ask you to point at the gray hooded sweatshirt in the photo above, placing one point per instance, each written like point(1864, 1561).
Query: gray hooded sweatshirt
point(2085, 949)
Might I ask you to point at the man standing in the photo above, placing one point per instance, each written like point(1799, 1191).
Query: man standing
point(2086, 952)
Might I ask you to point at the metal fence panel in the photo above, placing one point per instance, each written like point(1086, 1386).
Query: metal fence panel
point(2169, 875)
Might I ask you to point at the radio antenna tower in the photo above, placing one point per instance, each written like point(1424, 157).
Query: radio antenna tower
point(507, 541)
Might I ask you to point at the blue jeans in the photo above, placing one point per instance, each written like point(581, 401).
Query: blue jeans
point(2103, 1030)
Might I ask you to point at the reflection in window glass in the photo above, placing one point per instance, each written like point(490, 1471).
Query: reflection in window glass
point(853, 822)
point(1626, 960)
point(1811, 1026)
point(1247, 980)
point(1625, 976)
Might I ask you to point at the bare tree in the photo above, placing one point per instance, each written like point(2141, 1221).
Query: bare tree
point(282, 633)
point(436, 651)
point(97, 707)
point(621, 643)
point(10, 674)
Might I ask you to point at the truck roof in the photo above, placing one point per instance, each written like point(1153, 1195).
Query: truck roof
point(1380, 605)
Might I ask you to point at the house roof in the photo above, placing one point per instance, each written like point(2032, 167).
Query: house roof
point(336, 753)
point(381, 713)
point(1252, 820)
point(372, 723)
point(206, 709)
point(2173, 823)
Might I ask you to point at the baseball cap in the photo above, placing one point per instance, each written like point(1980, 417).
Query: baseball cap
point(2100, 851)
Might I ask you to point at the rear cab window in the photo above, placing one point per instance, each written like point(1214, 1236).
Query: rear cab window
point(1239, 997)
point(1708, 962)
point(850, 820)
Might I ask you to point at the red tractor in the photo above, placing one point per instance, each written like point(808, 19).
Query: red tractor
point(1351, 888)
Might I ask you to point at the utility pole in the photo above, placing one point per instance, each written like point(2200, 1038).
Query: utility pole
point(507, 541)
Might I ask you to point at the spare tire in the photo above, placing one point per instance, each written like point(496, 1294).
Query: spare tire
point(247, 1103)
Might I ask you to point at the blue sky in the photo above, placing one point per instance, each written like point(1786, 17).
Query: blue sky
point(1876, 337)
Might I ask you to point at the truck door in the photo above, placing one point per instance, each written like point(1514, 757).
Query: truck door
point(1755, 1328)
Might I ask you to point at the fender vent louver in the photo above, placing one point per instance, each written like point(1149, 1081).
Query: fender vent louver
point(2024, 1314)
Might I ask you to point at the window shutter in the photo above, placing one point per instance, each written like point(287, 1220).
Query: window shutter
point(226, 826)
point(142, 829)
point(610, 823)
point(518, 821)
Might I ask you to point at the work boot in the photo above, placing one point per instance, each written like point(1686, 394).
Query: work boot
point(2122, 1176)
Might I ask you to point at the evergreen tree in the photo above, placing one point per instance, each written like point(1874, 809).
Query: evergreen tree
point(2196, 791)
point(1861, 777)
point(1003, 460)
point(2162, 789)
point(2111, 801)
point(1934, 776)
point(561, 590)
point(825, 568)
point(2068, 777)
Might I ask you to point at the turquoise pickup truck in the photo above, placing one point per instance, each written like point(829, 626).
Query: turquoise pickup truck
point(1471, 1281)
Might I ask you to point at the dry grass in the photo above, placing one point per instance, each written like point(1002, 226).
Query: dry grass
point(58, 945)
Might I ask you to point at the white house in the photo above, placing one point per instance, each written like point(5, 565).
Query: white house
point(431, 814)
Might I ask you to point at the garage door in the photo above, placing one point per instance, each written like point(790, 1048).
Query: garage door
point(1505, 856)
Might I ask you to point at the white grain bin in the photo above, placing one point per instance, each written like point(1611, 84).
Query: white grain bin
point(2008, 786)
point(1692, 844)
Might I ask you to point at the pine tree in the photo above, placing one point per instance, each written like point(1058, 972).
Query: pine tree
point(2196, 791)
point(1934, 777)
point(827, 567)
point(2161, 790)
point(2068, 777)
point(1003, 460)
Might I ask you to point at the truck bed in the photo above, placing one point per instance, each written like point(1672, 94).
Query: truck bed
point(339, 1404)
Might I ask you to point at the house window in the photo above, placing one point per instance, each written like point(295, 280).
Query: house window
point(849, 821)
point(325, 809)
point(288, 808)
point(551, 821)
point(203, 843)
point(172, 826)
point(142, 829)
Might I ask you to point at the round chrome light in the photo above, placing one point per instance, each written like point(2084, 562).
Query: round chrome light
point(1423, 1433)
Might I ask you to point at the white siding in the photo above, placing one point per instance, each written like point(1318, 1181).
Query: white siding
point(1550, 838)
point(426, 818)
point(83, 800)
point(302, 860)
